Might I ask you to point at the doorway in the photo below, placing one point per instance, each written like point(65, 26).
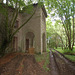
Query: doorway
point(43, 42)
point(29, 41)
point(27, 45)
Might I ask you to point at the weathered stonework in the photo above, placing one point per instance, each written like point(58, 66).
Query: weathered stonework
point(33, 34)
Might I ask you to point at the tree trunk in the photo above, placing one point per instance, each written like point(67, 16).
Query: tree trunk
point(69, 43)
point(6, 2)
point(66, 42)
point(16, 5)
point(73, 26)
point(73, 33)
point(56, 46)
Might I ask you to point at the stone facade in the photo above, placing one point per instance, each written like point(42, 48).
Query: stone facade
point(33, 34)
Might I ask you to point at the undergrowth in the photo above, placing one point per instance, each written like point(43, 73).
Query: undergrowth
point(64, 51)
point(70, 57)
point(70, 54)
point(45, 57)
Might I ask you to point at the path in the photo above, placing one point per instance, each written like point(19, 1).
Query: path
point(21, 65)
point(60, 65)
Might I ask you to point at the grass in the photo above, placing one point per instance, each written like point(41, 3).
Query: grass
point(45, 57)
point(70, 57)
point(60, 50)
point(67, 53)
point(66, 50)
point(46, 63)
point(39, 57)
point(48, 50)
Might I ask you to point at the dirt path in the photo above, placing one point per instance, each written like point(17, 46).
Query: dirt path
point(53, 65)
point(61, 65)
point(21, 65)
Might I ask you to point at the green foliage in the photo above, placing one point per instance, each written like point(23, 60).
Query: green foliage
point(60, 50)
point(48, 50)
point(39, 57)
point(70, 57)
point(45, 66)
point(43, 58)
point(2, 10)
point(55, 33)
point(66, 51)
point(28, 9)
point(65, 9)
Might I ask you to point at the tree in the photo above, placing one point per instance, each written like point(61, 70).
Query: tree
point(55, 34)
point(65, 9)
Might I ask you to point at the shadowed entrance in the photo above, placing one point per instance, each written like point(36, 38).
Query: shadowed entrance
point(44, 42)
point(29, 42)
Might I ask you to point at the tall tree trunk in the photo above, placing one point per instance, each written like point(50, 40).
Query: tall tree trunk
point(73, 32)
point(69, 42)
point(70, 39)
point(66, 42)
point(6, 2)
point(62, 44)
point(73, 25)
point(16, 5)
point(61, 41)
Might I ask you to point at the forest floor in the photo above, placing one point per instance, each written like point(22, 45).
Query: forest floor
point(25, 64)
point(60, 65)
point(20, 64)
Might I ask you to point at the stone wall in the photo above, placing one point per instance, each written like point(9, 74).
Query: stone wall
point(36, 25)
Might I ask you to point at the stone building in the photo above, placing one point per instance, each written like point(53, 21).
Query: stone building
point(33, 35)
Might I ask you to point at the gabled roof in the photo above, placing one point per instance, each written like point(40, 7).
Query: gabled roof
point(43, 8)
point(36, 4)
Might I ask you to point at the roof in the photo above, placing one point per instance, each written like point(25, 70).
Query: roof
point(43, 8)
point(36, 4)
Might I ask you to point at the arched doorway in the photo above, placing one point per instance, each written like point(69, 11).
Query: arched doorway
point(29, 40)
